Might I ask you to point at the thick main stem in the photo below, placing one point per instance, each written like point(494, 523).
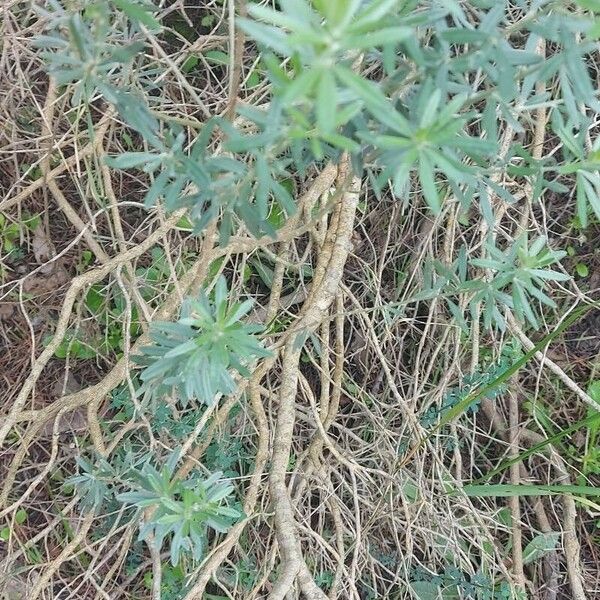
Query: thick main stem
point(328, 276)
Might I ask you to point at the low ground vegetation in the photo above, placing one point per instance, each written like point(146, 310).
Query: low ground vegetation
point(299, 299)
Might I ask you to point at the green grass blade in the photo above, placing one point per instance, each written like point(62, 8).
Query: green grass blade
point(590, 420)
point(508, 490)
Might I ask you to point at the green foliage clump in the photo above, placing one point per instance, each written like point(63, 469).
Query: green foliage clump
point(194, 355)
point(178, 510)
point(421, 116)
point(484, 378)
point(514, 277)
point(454, 583)
point(522, 269)
point(419, 95)
point(420, 120)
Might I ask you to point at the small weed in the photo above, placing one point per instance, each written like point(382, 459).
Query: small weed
point(453, 584)
point(173, 582)
point(471, 382)
point(11, 233)
point(20, 518)
point(590, 461)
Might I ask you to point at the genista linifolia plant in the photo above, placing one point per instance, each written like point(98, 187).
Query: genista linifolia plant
point(428, 107)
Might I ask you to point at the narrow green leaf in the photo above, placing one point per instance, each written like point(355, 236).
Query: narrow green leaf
point(276, 17)
point(301, 86)
point(381, 37)
point(374, 12)
point(326, 103)
point(427, 180)
point(271, 37)
point(539, 546)
point(590, 421)
point(509, 491)
point(218, 57)
point(130, 159)
point(138, 12)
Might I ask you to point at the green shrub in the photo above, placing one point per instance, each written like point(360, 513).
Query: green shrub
point(415, 94)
